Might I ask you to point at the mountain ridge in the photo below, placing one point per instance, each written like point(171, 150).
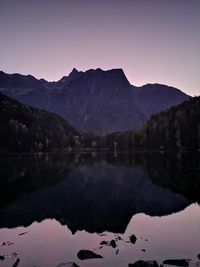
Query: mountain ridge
point(99, 101)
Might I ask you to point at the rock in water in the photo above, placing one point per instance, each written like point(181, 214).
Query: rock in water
point(198, 256)
point(133, 239)
point(87, 254)
point(181, 262)
point(113, 243)
point(24, 233)
point(144, 264)
point(16, 262)
point(2, 258)
point(104, 243)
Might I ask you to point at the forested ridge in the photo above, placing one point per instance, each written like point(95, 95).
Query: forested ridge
point(178, 128)
point(27, 129)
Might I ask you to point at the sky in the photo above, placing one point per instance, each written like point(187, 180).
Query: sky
point(154, 41)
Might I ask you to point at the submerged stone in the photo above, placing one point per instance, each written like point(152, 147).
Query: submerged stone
point(24, 233)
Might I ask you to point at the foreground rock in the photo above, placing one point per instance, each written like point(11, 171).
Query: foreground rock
point(133, 239)
point(144, 264)
point(181, 262)
point(87, 254)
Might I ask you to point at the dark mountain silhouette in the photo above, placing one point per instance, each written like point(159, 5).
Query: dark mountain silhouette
point(93, 101)
point(24, 128)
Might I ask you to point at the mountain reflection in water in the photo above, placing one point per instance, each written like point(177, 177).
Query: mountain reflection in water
point(95, 192)
point(52, 206)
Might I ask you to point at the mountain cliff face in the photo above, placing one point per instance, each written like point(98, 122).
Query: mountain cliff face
point(93, 101)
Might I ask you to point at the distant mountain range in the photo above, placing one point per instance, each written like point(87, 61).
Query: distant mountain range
point(95, 101)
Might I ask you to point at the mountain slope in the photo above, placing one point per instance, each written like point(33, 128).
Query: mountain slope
point(26, 129)
point(94, 101)
point(153, 98)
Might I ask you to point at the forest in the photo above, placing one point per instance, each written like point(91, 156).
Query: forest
point(27, 129)
point(177, 128)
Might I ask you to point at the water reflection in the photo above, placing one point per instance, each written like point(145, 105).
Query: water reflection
point(98, 192)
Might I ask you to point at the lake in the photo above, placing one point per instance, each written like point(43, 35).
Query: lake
point(52, 206)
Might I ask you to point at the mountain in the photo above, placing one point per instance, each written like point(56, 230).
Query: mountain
point(95, 100)
point(178, 128)
point(27, 129)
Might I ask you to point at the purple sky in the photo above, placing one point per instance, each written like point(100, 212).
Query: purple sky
point(152, 40)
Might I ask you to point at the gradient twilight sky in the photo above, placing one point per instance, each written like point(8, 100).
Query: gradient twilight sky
point(152, 40)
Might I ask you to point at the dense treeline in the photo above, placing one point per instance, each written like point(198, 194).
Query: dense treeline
point(175, 129)
point(27, 129)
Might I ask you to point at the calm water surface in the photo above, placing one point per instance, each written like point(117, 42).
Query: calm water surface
point(53, 206)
